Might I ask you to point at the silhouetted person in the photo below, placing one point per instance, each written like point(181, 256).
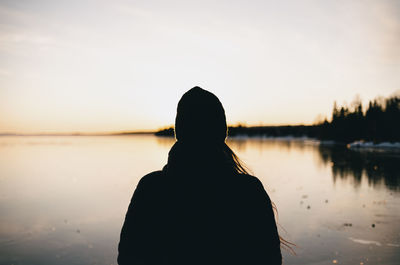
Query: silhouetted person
point(202, 208)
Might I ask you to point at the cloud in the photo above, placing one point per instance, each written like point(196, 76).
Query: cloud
point(20, 28)
point(385, 21)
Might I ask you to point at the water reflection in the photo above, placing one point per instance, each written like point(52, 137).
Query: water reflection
point(68, 196)
point(283, 144)
point(165, 141)
point(378, 167)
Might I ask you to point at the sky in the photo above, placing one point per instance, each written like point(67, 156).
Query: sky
point(95, 66)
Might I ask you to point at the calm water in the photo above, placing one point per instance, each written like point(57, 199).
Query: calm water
point(63, 199)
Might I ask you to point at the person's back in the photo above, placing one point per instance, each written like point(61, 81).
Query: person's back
point(200, 209)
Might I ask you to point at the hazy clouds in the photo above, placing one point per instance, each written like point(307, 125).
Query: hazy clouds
point(110, 65)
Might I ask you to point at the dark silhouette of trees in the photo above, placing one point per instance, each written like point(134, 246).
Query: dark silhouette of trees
point(169, 132)
point(268, 131)
point(380, 122)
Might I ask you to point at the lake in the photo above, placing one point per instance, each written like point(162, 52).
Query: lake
point(63, 198)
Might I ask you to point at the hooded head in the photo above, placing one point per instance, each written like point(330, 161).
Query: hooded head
point(200, 117)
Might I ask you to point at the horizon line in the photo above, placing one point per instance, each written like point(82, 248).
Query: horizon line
point(76, 133)
point(127, 132)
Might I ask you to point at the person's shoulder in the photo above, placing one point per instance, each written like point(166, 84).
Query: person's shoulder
point(249, 179)
point(151, 178)
point(253, 184)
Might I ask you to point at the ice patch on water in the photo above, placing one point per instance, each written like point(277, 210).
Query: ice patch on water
point(365, 242)
point(383, 145)
point(371, 242)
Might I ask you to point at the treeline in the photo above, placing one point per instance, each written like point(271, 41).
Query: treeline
point(268, 131)
point(169, 132)
point(275, 131)
point(379, 122)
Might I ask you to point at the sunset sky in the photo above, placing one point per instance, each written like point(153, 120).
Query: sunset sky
point(90, 65)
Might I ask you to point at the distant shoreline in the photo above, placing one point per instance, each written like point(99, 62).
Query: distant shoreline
point(284, 133)
point(296, 132)
point(79, 134)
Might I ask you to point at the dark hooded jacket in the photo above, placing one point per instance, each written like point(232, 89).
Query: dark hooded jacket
point(199, 210)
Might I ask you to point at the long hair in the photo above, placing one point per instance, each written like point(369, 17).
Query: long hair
point(234, 160)
point(239, 167)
